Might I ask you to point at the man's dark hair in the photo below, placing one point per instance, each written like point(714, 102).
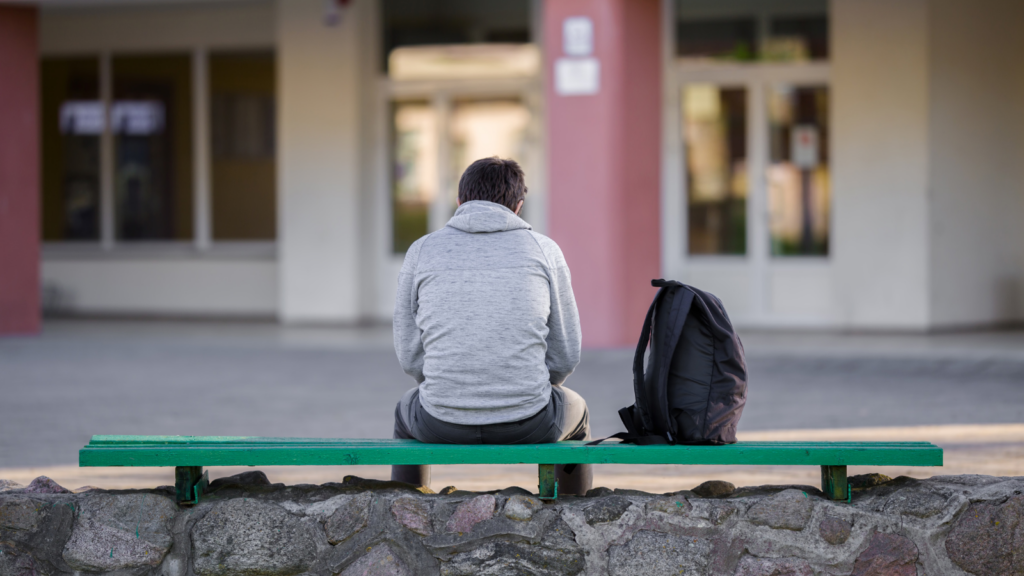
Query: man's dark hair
point(495, 180)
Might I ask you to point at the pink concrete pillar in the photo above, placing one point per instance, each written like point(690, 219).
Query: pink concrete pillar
point(605, 158)
point(19, 170)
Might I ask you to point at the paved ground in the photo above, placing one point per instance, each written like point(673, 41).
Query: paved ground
point(130, 377)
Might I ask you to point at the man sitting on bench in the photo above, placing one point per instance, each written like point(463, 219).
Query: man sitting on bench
point(486, 323)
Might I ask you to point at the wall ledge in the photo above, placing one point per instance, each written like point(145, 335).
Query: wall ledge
point(248, 526)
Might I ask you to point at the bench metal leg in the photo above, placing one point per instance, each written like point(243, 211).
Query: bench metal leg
point(833, 482)
point(548, 484)
point(189, 483)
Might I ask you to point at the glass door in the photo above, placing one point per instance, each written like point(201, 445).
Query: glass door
point(752, 201)
point(715, 143)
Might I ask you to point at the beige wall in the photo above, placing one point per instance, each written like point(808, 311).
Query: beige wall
point(171, 285)
point(929, 152)
point(880, 83)
point(89, 29)
point(976, 202)
point(319, 162)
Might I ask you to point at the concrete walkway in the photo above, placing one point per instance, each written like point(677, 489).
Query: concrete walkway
point(84, 377)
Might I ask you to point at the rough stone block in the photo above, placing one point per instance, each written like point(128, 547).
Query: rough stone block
point(607, 509)
point(653, 553)
point(15, 561)
point(120, 531)
point(751, 566)
point(556, 554)
point(20, 513)
point(598, 492)
point(714, 489)
point(887, 555)
point(243, 480)
point(247, 537)
point(34, 529)
point(787, 510)
point(381, 560)
point(719, 514)
point(371, 484)
point(674, 506)
point(988, 538)
point(867, 480)
point(412, 513)
point(6, 485)
point(521, 508)
point(43, 485)
point(471, 513)
point(514, 558)
point(348, 518)
point(915, 502)
point(834, 531)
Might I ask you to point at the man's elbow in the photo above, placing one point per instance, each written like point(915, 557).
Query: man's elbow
point(557, 378)
point(559, 373)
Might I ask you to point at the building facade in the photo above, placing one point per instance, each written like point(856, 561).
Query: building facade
point(843, 164)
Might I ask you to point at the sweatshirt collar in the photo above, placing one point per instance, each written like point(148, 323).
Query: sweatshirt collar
point(480, 216)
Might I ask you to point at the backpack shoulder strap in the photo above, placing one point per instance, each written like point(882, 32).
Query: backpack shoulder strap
point(676, 318)
point(640, 412)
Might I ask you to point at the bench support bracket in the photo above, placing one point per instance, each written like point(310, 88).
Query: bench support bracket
point(548, 486)
point(834, 483)
point(189, 483)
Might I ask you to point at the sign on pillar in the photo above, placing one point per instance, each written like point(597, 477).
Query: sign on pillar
point(578, 72)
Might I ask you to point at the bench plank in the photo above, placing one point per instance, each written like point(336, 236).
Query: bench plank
point(256, 451)
point(189, 454)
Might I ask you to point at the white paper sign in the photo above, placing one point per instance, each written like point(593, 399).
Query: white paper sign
point(137, 117)
point(805, 146)
point(82, 117)
point(577, 76)
point(578, 36)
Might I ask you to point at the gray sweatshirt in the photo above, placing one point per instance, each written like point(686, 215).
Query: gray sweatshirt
point(485, 318)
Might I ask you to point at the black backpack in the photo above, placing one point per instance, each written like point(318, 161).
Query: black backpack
point(695, 386)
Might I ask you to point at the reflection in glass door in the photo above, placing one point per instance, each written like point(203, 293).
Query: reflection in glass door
point(715, 139)
point(798, 171)
point(433, 143)
point(414, 178)
point(483, 128)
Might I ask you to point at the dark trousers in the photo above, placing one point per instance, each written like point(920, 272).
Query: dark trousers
point(564, 418)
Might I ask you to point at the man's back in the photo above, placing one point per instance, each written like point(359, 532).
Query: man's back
point(485, 319)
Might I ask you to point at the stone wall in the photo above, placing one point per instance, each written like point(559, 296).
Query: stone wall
point(250, 527)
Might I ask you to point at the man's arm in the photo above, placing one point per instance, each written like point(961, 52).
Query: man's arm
point(408, 337)
point(564, 338)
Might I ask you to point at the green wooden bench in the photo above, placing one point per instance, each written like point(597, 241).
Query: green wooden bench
point(188, 455)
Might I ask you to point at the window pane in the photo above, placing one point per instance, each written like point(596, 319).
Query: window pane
point(480, 129)
point(798, 38)
point(243, 168)
point(72, 121)
point(762, 30)
point(414, 180)
point(798, 173)
point(715, 135)
point(151, 118)
point(729, 39)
